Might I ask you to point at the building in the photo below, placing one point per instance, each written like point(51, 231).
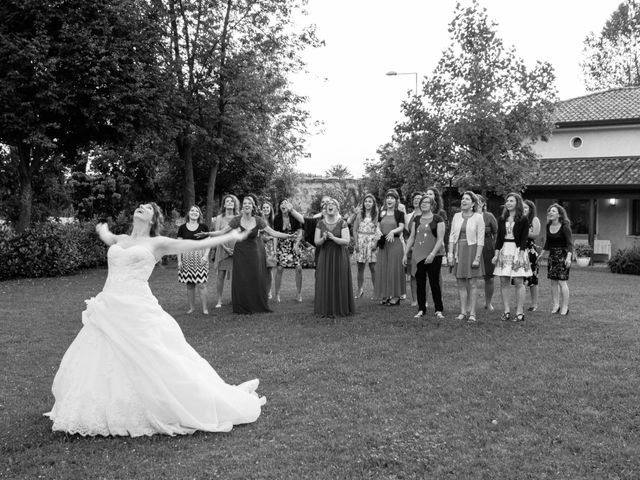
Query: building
point(591, 166)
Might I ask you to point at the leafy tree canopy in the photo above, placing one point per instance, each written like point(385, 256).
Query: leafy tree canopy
point(612, 58)
point(478, 115)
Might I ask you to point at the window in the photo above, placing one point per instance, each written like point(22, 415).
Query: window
point(576, 142)
point(578, 212)
point(634, 224)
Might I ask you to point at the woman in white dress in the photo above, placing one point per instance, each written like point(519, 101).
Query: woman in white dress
point(130, 371)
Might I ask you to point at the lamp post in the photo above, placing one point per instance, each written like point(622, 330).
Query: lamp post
point(393, 74)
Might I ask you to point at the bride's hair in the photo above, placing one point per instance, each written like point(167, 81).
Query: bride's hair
point(156, 221)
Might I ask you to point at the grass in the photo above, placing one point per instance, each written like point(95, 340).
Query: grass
point(377, 395)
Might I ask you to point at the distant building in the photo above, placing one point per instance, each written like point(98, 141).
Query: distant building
point(591, 166)
point(309, 187)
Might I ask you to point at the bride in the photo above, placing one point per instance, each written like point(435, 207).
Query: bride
point(130, 370)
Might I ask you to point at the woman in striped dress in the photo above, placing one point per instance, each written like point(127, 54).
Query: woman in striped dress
point(193, 266)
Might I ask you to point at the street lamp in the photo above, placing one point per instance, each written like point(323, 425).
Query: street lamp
point(393, 74)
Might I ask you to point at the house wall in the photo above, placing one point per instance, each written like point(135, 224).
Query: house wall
point(596, 142)
point(612, 223)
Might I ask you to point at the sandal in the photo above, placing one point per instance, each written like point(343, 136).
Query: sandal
point(506, 316)
point(419, 314)
point(519, 317)
point(462, 316)
point(471, 319)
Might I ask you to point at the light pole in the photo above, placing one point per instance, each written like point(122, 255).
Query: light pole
point(393, 74)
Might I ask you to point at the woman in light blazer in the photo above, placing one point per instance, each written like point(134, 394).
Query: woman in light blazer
point(466, 241)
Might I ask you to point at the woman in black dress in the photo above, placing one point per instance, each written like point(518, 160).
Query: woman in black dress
point(249, 282)
point(334, 290)
point(490, 232)
point(559, 244)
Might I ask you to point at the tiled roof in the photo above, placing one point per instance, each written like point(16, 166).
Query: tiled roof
point(589, 171)
point(616, 104)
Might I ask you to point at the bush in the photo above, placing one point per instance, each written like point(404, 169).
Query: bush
point(583, 250)
point(53, 249)
point(43, 250)
point(626, 260)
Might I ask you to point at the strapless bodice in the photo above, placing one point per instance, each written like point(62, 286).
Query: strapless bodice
point(129, 268)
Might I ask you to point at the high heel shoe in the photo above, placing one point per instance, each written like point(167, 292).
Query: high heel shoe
point(556, 310)
point(565, 313)
point(359, 294)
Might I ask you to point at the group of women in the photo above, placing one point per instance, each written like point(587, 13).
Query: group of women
point(272, 245)
point(480, 247)
point(393, 243)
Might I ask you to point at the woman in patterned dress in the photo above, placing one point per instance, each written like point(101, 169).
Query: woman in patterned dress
point(510, 259)
point(270, 244)
point(193, 266)
point(532, 250)
point(559, 244)
point(223, 261)
point(288, 250)
point(364, 231)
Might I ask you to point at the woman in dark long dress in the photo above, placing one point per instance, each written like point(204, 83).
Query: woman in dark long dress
point(249, 283)
point(334, 290)
point(490, 232)
point(390, 284)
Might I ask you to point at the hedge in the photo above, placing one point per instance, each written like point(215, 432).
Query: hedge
point(56, 249)
point(626, 260)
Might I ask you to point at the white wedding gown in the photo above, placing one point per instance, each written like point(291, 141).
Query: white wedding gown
point(131, 372)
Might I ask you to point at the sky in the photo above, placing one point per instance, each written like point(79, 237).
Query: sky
point(359, 105)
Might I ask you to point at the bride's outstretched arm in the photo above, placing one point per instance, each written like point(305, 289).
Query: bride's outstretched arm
point(102, 229)
point(172, 246)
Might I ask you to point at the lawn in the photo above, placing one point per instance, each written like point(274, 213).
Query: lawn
point(378, 395)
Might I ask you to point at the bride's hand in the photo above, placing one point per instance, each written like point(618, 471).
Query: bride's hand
point(239, 236)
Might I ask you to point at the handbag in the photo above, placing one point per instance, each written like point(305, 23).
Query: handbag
point(381, 241)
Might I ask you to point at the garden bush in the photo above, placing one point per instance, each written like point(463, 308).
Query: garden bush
point(52, 249)
point(42, 250)
point(626, 260)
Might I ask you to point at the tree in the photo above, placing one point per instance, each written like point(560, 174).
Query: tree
point(339, 171)
point(612, 58)
point(383, 174)
point(480, 112)
point(229, 62)
point(73, 73)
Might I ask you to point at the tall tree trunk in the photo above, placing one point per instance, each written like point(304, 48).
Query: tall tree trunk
point(25, 176)
point(213, 172)
point(211, 190)
point(184, 141)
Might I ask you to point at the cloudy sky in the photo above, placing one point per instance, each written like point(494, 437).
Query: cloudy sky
point(358, 104)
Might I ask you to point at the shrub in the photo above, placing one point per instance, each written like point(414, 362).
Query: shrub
point(583, 250)
point(53, 249)
point(626, 260)
point(43, 250)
